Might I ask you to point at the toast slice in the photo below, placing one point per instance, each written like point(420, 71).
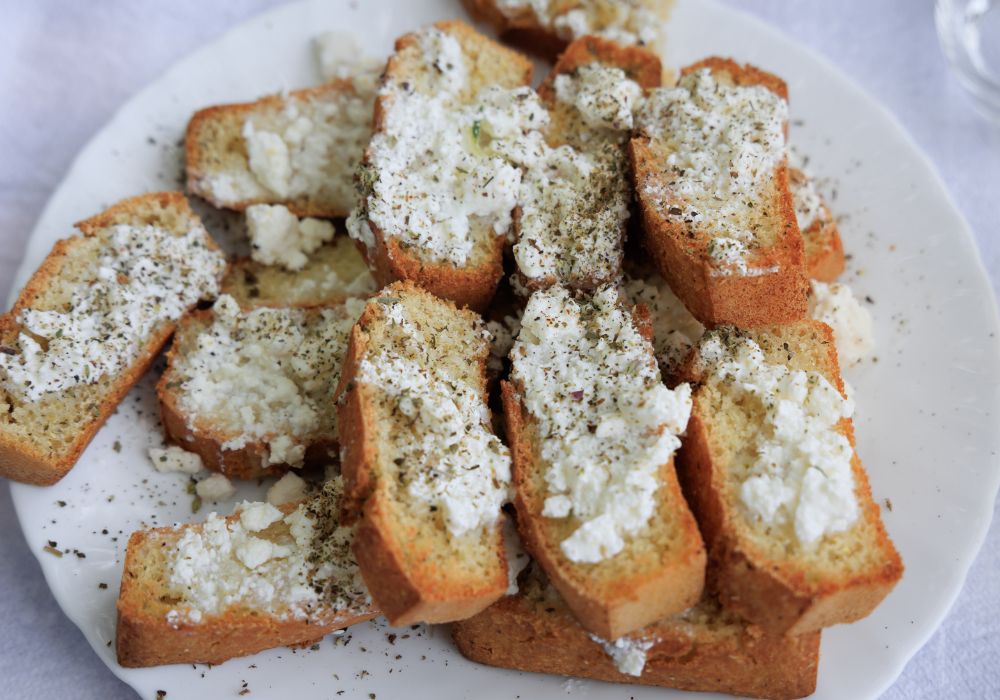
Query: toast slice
point(299, 149)
point(261, 578)
point(575, 195)
point(422, 468)
point(702, 649)
point(710, 171)
point(593, 432)
point(435, 198)
point(546, 27)
point(334, 272)
point(89, 323)
point(250, 391)
point(795, 540)
point(824, 251)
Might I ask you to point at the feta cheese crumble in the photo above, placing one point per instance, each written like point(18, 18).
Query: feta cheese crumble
point(605, 422)
point(143, 277)
point(604, 96)
point(447, 457)
point(628, 654)
point(722, 143)
point(215, 488)
point(288, 489)
point(835, 305)
point(675, 330)
point(175, 459)
point(266, 374)
point(798, 465)
point(278, 237)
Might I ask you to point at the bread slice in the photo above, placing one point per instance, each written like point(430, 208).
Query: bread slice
point(261, 578)
point(422, 468)
point(76, 340)
point(334, 273)
point(824, 251)
point(250, 391)
point(593, 430)
point(412, 218)
point(546, 28)
point(795, 540)
point(718, 220)
point(702, 649)
point(575, 196)
point(299, 149)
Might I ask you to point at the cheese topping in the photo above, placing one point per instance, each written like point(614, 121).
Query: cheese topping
point(808, 204)
point(836, 306)
point(215, 487)
point(624, 21)
point(798, 467)
point(266, 374)
point(628, 654)
point(605, 422)
point(278, 237)
point(144, 277)
point(604, 96)
point(288, 489)
point(675, 330)
point(175, 459)
point(723, 142)
point(447, 457)
point(293, 565)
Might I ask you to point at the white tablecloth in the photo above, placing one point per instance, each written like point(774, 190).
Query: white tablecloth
point(66, 65)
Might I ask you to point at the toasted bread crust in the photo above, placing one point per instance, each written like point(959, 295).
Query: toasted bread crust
point(525, 635)
point(223, 123)
point(784, 597)
point(144, 637)
point(520, 29)
point(472, 285)
point(406, 584)
point(742, 300)
point(24, 461)
point(824, 251)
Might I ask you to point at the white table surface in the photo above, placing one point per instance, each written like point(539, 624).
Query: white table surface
point(66, 66)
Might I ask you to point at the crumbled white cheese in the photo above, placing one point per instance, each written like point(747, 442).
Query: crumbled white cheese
point(144, 277)
point(724, 142)
point(502, 335)
point(604, 96)
point(798, 465)
point(624, 21)
point(836, 306)
point(266, 374)
point(174, 459)
point(675, 330)
point(294, 569)
point(278, 237)
point(605, 421)
point(448, 457)
point(340, 56)
point(517, 557)
point(628, 654)
point(215, 488)
point(289, 488)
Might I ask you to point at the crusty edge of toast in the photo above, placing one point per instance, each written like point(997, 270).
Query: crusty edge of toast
point(742, 300)
point(637, 600)
point(774, 594)
point(518, 633)
point(247, 462)
point(823, 249)
point(24, 462)
point(144, 639)
point(196, 169)
point(395, 585)
point(521, 30)
point(471, 286)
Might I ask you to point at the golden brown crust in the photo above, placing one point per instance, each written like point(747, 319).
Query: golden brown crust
point(210, 125)
point(144, 637)
point(402, 573)
point(740, 659)
point(24, 461)
point(520, 29)
point(741, 300)
point(783, 596)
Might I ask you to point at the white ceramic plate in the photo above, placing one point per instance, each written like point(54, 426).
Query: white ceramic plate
point(927, 407)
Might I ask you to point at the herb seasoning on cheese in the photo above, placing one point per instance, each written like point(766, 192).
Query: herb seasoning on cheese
point(798, 464)
point(835, 305)
point(606, 423)
point(722, 143)
point(447, 457)
point(604, 96)
point(291, 566)
point(266, 374)
point(624, 21)
point(143, 277)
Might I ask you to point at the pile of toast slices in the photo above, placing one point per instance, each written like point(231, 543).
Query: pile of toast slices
point(578, 320)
